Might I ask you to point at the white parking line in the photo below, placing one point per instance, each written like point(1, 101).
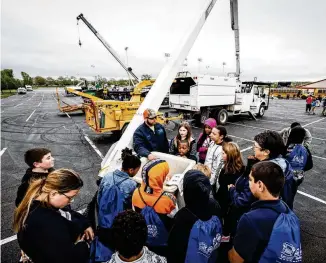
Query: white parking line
point(312, 122)
point(246, 149)
point(30, 115)
point(14, 237)
point(68, 115)
point(255, 127)
point(3, 151)
point(318, 157)
point(94, 147)
point(18, 105)
point(39, 104)
point(312, 197)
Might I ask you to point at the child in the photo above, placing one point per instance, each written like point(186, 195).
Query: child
point(255, 229)
point(204, 140)
point(40, 162)
point(313, 105)
point(184, 133)
point(184, 150)
point(129, 231)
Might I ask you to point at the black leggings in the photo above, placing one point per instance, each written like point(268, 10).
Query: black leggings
point(308, 107)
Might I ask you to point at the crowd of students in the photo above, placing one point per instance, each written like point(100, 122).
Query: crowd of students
point(231, 212)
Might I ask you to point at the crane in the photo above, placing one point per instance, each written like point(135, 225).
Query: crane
point(106, 45)
point(161, 86)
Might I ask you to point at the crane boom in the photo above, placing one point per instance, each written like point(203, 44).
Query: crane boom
point(161, 86)
point(235, 28)
point(106, 45)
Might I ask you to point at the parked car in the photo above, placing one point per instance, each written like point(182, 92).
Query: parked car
point(29, 88)
point(21, 90)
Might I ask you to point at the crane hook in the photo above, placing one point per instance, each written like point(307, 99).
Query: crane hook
point(79, 42)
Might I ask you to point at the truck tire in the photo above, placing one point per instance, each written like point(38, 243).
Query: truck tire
point(221, 116)
point(261, 111)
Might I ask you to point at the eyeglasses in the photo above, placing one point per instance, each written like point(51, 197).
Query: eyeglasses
point(257, 147)
point(154, 118)
point(71, 198)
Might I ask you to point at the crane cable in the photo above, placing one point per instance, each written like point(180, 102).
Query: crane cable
point(79, 42)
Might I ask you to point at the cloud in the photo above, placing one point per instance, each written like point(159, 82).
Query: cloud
point(279, 40)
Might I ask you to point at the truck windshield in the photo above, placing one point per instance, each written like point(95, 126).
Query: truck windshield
point(182, 85)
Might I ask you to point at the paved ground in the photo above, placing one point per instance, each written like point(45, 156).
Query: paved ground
point(32, 120)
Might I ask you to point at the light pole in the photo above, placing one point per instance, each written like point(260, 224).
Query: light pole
point(207, 67)
point(223, 64)
point(199, 61)
point(93, 66)
point(167, 55)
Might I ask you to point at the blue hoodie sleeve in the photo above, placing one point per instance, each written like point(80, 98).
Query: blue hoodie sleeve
point(139, 144)
point(243, 198)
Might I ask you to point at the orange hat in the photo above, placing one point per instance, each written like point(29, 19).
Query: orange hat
point(149, 113)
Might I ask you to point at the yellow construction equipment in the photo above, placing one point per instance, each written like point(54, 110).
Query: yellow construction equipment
point(111, 115)
point(67, 107)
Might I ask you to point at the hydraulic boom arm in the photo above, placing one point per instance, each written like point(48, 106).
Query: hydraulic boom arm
point(106, 45)
point(235, 28)
point(158, 91)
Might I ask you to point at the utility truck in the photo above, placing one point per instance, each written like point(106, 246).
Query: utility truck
point(205, 96)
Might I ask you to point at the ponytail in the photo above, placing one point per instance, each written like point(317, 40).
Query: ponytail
point(22, 211)
point(129, 161)
point(61, 181)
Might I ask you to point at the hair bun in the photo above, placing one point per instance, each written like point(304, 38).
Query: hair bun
point(126, 152)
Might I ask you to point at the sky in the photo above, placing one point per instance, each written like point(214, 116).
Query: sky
point(279, 39)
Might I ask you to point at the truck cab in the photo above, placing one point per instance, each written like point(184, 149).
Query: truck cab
point(205, 96)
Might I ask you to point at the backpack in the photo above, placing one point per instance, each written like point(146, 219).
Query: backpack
point(204, 240)
point(298, 157)
point(284, 244)
point(110, 203)
point(287, 191)
point(157, 234)
point(309, 163)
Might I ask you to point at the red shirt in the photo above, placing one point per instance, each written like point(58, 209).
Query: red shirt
point(309, 100)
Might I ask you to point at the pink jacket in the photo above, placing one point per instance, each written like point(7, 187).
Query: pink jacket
point(202, 147)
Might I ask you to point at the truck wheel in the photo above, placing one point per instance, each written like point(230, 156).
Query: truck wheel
point(261, 111)
point(222, 116)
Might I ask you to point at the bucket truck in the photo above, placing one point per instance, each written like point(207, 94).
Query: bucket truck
point(203, 97)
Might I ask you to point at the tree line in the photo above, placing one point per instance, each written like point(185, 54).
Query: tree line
point(10, 82)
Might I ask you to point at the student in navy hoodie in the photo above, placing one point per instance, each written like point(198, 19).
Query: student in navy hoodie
point(269, 145)
point(40, 162)
point(255, 227)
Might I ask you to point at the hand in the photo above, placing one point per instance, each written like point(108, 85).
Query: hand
point(89, 234)
point(81, 237)
point(151, 157)
point(168, 177)
point(230, 185)
point(251, 157)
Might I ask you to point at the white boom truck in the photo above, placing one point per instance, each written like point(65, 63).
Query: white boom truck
point(206, 96)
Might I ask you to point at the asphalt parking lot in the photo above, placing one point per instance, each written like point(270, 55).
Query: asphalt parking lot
point(33, 120)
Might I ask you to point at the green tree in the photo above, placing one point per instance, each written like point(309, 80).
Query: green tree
point(8, 81)
point(61, 80)
point(49, 81)
point(27, 80)
point(40, 81)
